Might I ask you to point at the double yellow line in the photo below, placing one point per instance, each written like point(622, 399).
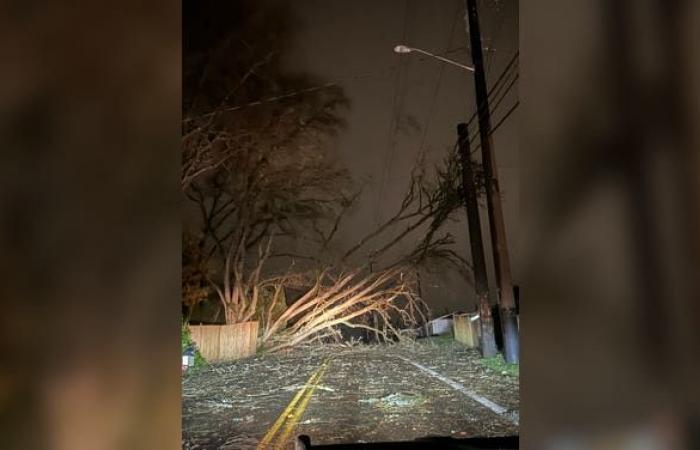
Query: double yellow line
point(293, 412)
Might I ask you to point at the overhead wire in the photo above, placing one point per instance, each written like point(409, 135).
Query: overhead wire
point(510, 73)
point(286, 95)
point(496, 87)
point(498, 125)
point(337, 82)
point(496, 103)
point(507, 78)
point(496, 94)
point(499, 90)
point(438, 83)
point(499, 25)
point(395, 117)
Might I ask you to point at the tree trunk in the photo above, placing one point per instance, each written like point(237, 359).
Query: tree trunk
point(230, 316)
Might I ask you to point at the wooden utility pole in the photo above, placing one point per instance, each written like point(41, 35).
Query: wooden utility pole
point(497, 227)
point(481, 286)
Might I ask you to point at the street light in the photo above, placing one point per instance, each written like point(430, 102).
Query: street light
point(406, 49)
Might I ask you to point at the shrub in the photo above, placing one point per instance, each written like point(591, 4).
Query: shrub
point(187, 342)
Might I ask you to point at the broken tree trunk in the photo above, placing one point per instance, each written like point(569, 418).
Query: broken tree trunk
point(385, 298)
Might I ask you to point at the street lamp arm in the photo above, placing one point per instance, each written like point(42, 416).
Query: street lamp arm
point(449, 61)
point(406, 49)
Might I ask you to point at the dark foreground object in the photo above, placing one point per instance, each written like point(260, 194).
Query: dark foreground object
point(503, 443)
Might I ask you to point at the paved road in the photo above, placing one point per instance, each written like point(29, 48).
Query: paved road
point(365, 394)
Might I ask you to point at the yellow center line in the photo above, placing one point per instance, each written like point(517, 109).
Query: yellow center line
point(299, 411)
point(288, 411)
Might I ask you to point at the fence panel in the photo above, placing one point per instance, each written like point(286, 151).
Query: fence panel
point(225, 342)
point(466, 330)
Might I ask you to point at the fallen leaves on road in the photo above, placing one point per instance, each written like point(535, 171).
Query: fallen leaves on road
point(366, 394)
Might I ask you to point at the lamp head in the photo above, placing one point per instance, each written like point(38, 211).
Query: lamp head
point(402, 49)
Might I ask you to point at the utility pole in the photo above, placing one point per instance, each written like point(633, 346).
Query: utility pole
point(497, 228)
point(481, 286)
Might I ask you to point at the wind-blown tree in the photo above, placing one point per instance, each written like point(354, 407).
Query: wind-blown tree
point(345, 300)
point(343, 294)
point(258, 173)
point(433, 198)
point(254, 169)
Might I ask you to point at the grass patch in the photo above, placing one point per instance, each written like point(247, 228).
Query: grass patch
point(498, 364)
point(439, 341)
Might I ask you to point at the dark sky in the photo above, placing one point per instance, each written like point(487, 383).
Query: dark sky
point(392, 115)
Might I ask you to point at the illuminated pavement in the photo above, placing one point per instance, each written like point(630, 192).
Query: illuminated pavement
point(348, 395)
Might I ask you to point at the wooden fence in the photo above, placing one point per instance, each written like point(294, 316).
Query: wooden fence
point(466, 330)
point(225, 342)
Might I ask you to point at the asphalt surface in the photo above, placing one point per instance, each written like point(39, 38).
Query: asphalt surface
point(334, 395)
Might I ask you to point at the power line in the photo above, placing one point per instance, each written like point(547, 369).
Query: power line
point(499, 25)
point(498, 91)
point(286, 95)
point(497, 85)
point(498, 124)
point(507, 78)
point(438, 83)
point(330, 84)
point(473, 136)
point(495, 91)
point(505, 93)
point(505, 116)
point(395, 117)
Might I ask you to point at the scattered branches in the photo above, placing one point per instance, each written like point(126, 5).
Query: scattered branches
point(264, 174)
point(259, 174)
point(429, 203)
point(348, 300)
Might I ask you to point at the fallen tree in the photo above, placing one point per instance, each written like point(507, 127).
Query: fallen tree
point(349, 299)
point(257, 166)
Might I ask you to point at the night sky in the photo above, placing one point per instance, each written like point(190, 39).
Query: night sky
point(400, 104)
point(353, 42)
